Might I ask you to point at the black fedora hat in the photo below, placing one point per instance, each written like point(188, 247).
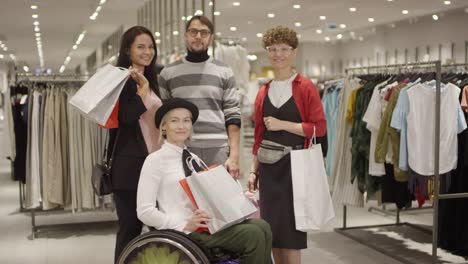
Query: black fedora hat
point(174, 103)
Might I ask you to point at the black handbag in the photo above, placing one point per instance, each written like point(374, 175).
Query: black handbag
point(101, 179)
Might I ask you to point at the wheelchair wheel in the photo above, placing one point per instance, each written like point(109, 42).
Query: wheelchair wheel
point(163, 246)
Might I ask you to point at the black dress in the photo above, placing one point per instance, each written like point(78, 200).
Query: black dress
point(275, 182)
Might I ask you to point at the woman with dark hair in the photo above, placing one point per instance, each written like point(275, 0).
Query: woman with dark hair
point(137, 135)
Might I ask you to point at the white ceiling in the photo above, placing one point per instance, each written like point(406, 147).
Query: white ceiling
point(62, 21)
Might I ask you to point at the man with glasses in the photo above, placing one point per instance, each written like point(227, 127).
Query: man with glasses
point(211, 86)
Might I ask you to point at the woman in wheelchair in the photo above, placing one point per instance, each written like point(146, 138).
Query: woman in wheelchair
point(163, 204)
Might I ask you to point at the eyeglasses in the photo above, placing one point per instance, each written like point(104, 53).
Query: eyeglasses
point(194, 32)
point(282, 50)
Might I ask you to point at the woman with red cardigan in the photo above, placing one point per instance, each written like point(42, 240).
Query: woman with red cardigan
point(287, 112)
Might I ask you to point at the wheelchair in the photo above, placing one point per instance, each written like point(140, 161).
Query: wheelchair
point(172, 247)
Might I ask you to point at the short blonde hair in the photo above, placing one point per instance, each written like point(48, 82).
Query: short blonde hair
point(162, 134)
point(278, 35)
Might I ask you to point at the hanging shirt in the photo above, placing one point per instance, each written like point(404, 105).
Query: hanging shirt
point(147, 125)
point(464, 102)
point(421, 126)
point(373, 118)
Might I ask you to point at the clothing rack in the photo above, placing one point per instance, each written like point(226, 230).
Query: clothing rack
point(436, 196)
point(36, 228)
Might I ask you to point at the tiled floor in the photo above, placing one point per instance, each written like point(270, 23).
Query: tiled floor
point(94, 243)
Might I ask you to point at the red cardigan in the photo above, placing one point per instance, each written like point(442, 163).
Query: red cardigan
point(307, 99)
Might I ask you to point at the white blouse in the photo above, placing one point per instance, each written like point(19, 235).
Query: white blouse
point(159, 181)
point(280, 91)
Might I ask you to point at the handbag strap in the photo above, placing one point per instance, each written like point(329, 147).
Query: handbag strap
point(109, 164)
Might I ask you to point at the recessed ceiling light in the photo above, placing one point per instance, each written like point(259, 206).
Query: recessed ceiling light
point(259, 35)
point(339, 36)
point(298, 24)
point(25, 68)
point(217, 13)
point(36, 23)
point(2, 56)
point(296, 6)
point(198, 13)
point(233, 28)
point(5, 49)
point(183, 18)
point(158, 41)
point(447, 2)
point(327, 38)
point(299, 35)
point(75, 47)
point(319, 31)
point(211, 3)
point(323, 17)
point(35, 16)
point(175, 33)
point(435, 17)
point(405, 12)
point(352, 9)
point(37, 29)
point(271, 15)
point(157, 34)
point(390, 0)
point(218, 34)
point(370, 19)
point(102, 2)
point(34, 7)
point(342, 25)
point(236, 4)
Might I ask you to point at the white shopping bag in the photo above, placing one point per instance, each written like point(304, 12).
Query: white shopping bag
point(313, 207)
point(221, 197)
point(97, 97)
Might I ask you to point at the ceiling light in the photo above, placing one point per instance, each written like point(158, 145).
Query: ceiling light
point(236, 4)
point(233, 28)
point(323, 17)
point(38, 39)
point(183, 18)
point(370, 19)
point(405, 12)
point(37, 29)
point(62, 69)
point(389, 0)
point(98, 8)
point(2, 56)
point(36, 23)
point(352, 34)
point(25, 68)
point(435, 17)
point(298, 24)
point(252, 57)
point(259, 35)
point(34, 7)
point(5, 49)
point(211, 3)
point(342, 25)
point(158, 41)
point(198, 13)
point(447, 2)
point(271, 15)
point(296, 6)
point(217, 13)
point(244, 39)
point(189, 17)
point(327, 38)
point(38, 34)
point(157, 34)
point(352, 9)
point(75, 47)
point(339, 36)
point(319, 31)
point(218, 33)
point(35, 16)
point(299, 35)
point(175, 33)
point(102, 2)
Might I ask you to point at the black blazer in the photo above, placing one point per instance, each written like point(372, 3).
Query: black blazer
point(131, 150)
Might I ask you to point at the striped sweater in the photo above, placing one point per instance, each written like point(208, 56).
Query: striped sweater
point(211, 86)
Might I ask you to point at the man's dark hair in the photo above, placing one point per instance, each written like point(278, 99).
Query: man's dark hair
point(204, 20)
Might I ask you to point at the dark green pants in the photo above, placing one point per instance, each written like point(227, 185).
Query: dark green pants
point(250, 239)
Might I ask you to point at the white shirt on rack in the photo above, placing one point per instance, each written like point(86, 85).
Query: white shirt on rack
point(159, 181)
point(421, 125)
point(280, 91)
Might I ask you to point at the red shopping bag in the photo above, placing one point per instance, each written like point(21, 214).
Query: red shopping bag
point(113, 121)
